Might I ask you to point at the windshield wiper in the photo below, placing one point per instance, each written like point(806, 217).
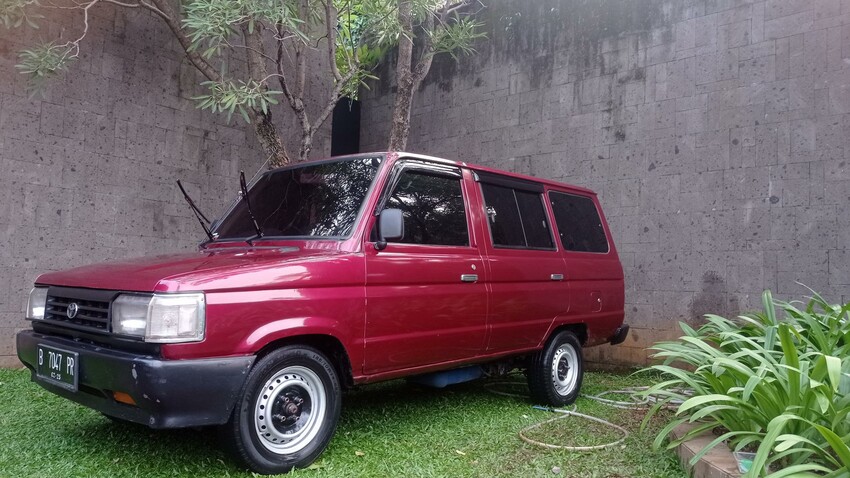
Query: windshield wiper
point(244, 188)
point(198, 213)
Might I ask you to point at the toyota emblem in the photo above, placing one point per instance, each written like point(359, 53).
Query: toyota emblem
point(73, 308)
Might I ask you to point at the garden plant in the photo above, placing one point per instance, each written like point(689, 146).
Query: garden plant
point(774, 382)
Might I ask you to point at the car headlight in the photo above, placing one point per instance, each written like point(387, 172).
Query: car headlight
point(161, 318)
point(37, 303)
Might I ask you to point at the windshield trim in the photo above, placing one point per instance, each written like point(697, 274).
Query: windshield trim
point(358, 217)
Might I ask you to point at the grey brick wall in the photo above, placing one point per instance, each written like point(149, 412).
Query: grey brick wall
point(87, 172)
point(716, 132)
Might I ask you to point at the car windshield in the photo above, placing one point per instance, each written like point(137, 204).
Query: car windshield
point(318, 200)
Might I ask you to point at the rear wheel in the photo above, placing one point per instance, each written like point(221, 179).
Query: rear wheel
point(556, 372)
point(287, 413)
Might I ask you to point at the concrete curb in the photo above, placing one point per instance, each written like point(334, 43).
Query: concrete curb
point(717, 463)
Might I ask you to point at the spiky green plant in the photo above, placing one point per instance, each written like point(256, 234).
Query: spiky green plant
point(775, 383)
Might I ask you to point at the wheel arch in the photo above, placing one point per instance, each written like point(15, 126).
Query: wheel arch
point(327, 344)
point(579, 329)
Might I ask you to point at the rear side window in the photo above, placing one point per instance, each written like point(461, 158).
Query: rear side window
point(578, 223)
point(517, 218)
point(433, 209)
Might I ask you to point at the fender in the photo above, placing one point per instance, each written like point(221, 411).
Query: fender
point(600, 326)
point(556, 323)
point(291, 327)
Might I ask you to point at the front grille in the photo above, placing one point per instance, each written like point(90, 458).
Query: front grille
point(92, 308)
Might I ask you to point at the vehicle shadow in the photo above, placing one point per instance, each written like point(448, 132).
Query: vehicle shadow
point(396, 407)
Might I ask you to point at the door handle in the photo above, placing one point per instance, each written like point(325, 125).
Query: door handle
point(557, 277)
point(469, 277)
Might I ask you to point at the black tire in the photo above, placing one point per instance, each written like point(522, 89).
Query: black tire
point(556, 372)
point(304, 398)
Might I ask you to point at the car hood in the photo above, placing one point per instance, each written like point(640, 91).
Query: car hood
point(238, 268)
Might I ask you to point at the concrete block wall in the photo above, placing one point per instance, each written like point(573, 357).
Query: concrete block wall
point(716, 132)
point(88, 171)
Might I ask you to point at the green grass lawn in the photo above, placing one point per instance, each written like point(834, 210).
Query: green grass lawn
point(386, 430)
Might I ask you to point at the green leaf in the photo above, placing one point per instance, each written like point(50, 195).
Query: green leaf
point(704, 399)
point(837, 444)
point(833, 367)
point(774, 430)
point(665, 432)
point(710, 446)
point(752, 382)
point(800, 471)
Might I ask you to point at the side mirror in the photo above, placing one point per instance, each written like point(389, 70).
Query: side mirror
point(390, 227)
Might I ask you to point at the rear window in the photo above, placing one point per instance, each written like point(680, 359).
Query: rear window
point(578, 223)
point(517, 218)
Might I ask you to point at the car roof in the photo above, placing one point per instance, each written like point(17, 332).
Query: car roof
point(462, 164)
point(478, 167)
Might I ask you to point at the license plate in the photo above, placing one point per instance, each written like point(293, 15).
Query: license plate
point(57, 366)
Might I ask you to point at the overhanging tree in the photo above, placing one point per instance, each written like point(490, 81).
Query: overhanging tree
point(280, 41)
point(429, 27)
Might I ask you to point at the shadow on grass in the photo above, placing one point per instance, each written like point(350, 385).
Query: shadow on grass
point(387, 429)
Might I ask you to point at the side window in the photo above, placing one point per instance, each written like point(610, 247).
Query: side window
point(503, 216)
point(517, 218)
point(534, 220)
point(578, 223)
point(433, 209)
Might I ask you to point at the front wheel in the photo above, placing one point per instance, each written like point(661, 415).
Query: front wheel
point(287, 413)
point(556, 372)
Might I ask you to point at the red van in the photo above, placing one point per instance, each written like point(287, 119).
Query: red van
point(328, 274)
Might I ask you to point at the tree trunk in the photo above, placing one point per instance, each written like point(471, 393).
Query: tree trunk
point(306, 145)
point(263, 125)
point(401, 115)
point(270, 140)
point(404, 79)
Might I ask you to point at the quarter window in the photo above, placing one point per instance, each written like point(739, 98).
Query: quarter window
point(579, 224)
point(433, 208)
point(517, 218)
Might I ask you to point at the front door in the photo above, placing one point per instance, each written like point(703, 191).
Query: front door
point(426, 299)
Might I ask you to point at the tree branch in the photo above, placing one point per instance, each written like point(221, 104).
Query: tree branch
point(261, 53)
point(122, 4)
point(330, 24)
point(405, 41)
point(427, 56)
point(281, 76)
point(334, 98)
point(296, 103)
point(448, 9)
point(255, 51)
point(74, 46)
point(166, 12)
point(300, 56)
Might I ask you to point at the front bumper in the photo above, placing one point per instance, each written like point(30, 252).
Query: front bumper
point(168, 393)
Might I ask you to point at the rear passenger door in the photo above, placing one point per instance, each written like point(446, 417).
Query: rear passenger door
point(594, 272)
point(525, 268)
point(426, 300)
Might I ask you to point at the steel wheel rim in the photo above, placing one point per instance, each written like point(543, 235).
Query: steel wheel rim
point(565, 369)
point(289, 410)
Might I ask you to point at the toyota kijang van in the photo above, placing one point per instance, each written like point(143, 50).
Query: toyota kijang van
point(328, 274)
